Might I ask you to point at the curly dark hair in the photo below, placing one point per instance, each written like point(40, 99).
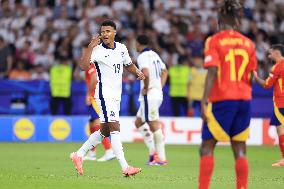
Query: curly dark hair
point(229, 12)
point(108, 23)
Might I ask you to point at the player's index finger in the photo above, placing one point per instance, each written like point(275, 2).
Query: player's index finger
point(96, 37)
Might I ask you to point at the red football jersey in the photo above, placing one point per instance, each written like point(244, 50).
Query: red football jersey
point(88, 73)
point(275, 79)
point(234, 56)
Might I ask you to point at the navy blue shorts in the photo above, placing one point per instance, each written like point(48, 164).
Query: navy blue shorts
point(93, 111)
point(277, 118)
point(227, 120)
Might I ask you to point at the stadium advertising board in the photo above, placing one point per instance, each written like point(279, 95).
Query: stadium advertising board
point(75, 129)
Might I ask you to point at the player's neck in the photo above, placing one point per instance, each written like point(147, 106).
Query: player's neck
point(145, 48)
point(110, 45)
point(227, 27)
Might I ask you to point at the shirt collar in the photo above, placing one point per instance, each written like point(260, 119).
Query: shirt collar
point(107, 47)
point(145, 49)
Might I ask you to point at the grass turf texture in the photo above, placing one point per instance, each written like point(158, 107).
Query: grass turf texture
point(47, 165)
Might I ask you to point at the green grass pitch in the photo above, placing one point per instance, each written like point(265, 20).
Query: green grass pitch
point(47, 165)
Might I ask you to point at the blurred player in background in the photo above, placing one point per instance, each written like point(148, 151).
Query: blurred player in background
point(94, 122)
point(276, 80)
point(151, 97)
point(230, 60)
point(109, 58)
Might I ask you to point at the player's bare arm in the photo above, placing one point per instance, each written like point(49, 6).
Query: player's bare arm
point(268, 83)
point(210, 78)
point(134, 70)
point(258, 79)
point(164, 76)
point(87, 52)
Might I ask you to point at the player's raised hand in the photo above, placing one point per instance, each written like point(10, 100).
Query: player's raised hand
point(140, 75)
point(95, 41)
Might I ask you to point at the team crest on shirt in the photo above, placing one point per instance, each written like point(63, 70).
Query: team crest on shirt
point(112, 114)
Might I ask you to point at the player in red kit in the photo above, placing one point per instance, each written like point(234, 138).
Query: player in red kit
point(230, 59)
point(276, 80)
point(94, 122)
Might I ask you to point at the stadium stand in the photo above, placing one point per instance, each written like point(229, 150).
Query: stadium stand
point(39, 33)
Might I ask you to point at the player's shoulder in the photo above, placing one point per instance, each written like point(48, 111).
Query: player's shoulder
point(247, 41)
point(210, 40)
point(141, 58)
point(278, 66)
point(282, 62)
point(144, 54)
point(213, 37)
point(148, 52)
point(120, 46)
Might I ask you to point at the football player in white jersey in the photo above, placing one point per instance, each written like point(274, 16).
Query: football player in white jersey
point(109, 58)
point(151, 97)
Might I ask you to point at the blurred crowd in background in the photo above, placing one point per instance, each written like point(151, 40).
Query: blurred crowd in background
point(36, 35)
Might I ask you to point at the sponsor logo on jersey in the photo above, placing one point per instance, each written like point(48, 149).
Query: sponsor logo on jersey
point(112, 114)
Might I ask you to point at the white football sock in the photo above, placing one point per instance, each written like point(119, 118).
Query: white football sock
point(148, 138)
point(109, 151)
point(92, 153)
point(117, 149)
point(160, 144)
point(92, 142)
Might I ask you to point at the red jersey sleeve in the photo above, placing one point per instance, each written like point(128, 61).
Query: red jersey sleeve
point(211, 53)
point(273, 76)
point(91, 70)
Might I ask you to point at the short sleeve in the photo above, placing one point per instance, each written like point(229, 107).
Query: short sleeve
point(142, 62)
point(125, 55)
point(91, 70)
point(274, 70)
point(211, 53)
point(273, 76)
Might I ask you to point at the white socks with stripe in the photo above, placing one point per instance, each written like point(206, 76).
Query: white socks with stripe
point(92, 142)
point(148, 137)
point(117, 148)
point(160, 144)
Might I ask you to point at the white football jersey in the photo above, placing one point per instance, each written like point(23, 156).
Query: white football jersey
point(109, 64)
point(151, 60)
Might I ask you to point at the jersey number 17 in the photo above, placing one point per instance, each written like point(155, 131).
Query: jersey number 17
point(231, 58)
